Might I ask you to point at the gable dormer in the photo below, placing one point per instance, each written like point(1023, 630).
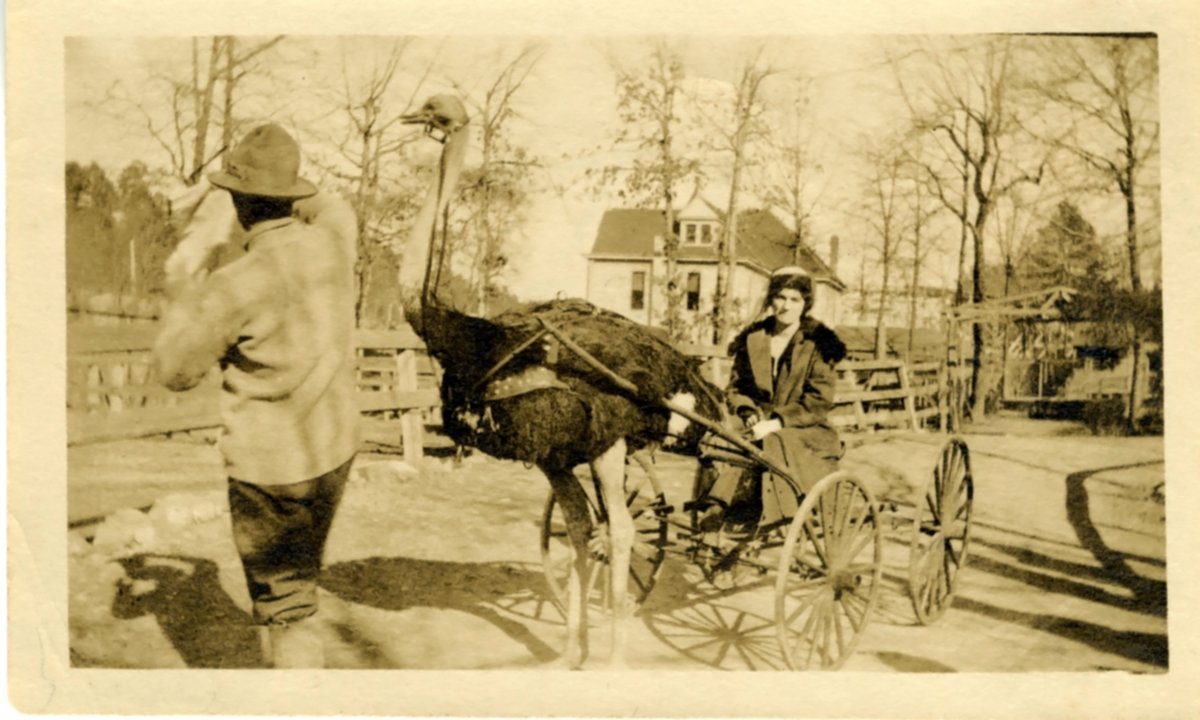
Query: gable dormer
point(697, 223)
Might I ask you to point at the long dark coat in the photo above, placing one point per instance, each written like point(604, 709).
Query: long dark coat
point(800, 395)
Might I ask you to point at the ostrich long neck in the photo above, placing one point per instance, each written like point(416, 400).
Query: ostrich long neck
point(416, 247)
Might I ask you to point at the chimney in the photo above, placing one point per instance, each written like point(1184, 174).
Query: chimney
point(833, 255)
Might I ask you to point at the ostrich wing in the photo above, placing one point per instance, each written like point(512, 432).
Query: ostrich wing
point(628, 349)
point(470, 348)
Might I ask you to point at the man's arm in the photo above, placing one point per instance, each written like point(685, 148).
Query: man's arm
point(198, 326)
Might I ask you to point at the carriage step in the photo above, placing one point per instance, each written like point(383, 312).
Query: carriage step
point(700, 505)
point(660, 507)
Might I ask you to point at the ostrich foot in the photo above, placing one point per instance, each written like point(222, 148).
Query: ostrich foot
point(599, 545)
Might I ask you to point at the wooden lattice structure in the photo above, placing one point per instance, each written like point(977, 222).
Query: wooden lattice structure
point(1045, 359)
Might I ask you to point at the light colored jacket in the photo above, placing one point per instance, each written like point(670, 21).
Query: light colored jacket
point(279, 321)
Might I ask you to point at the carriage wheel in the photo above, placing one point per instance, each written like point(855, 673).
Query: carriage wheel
point(829, 574)
point(645, 560)
point(940, 532)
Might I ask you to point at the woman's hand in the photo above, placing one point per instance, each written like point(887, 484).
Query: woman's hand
point(763, 428)
point(749, 418)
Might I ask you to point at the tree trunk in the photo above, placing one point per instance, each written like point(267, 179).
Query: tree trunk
point(880, 328)
point(204, 106)
point(960, 295)
point(670, 239)
point(1135, 279)
point(978, 391)
point(230, 82)
point(727, 257)
point(1008, 274)
point(916, 277)
point(671, 253)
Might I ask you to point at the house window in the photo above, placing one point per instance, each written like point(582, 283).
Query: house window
point(706, 234)
point(693, 291)
point(690, 233)
point(637, 294)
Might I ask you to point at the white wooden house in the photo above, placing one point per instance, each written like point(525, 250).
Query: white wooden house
point(627, 265)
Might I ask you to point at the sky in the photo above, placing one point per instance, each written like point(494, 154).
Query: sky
point(567, 117)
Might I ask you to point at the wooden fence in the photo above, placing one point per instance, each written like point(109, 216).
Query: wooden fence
point(111, 394)
point(870, 394)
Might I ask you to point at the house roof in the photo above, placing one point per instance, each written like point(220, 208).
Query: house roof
point(762, 240)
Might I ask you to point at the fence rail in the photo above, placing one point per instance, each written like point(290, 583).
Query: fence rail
point(111, 394)
point(870, 394)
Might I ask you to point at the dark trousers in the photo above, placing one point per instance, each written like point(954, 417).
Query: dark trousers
point(280, 533)
point(807, 457)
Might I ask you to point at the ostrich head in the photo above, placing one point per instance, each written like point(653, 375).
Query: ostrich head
point(444, 114)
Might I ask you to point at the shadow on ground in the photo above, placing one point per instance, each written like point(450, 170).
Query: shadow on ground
point(480, 589)
point(198, 617)
point(1149, 595)
point(1129, 590)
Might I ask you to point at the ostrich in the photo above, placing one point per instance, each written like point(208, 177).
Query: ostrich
point(559, 385)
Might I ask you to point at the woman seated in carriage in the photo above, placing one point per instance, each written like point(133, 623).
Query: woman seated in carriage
point(781, 391)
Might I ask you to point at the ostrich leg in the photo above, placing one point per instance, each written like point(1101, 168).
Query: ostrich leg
point(574, 504)
point(609, 469)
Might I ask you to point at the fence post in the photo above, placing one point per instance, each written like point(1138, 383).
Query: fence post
point(412, 424)
point(943, 386)
point(910, 402)
point(860, 414)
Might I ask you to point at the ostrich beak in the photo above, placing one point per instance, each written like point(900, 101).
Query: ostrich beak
point(441, 114)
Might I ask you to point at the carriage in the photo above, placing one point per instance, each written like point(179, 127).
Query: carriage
point(827, 558)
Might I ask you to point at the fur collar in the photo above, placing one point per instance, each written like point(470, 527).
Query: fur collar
point(828, 344)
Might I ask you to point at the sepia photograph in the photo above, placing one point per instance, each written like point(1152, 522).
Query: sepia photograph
point(729, 353)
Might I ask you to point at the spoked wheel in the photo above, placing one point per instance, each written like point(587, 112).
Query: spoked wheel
point(645, 560)
point(940, 532)
point(829, 574)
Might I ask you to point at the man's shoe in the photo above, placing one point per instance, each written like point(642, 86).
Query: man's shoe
point(711, 519)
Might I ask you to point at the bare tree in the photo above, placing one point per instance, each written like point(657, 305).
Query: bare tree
point(648, 100)
point(791, 163)
point(922, 242)
point(370, 104)
point(965, 102)
point(883, 211)
point(179, 110)
point(745, 126)
point(495, 193)
point(1108, 85)
point(238, 64)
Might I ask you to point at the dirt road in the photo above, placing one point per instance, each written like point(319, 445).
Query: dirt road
point(439, 567)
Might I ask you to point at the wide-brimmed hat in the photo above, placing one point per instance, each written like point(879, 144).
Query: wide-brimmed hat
point(266, 163)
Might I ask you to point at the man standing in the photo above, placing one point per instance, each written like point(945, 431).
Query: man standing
point(279, 322)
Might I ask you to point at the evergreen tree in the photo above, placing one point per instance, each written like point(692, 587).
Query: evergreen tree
point(1065, 251)
point(94, 262)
